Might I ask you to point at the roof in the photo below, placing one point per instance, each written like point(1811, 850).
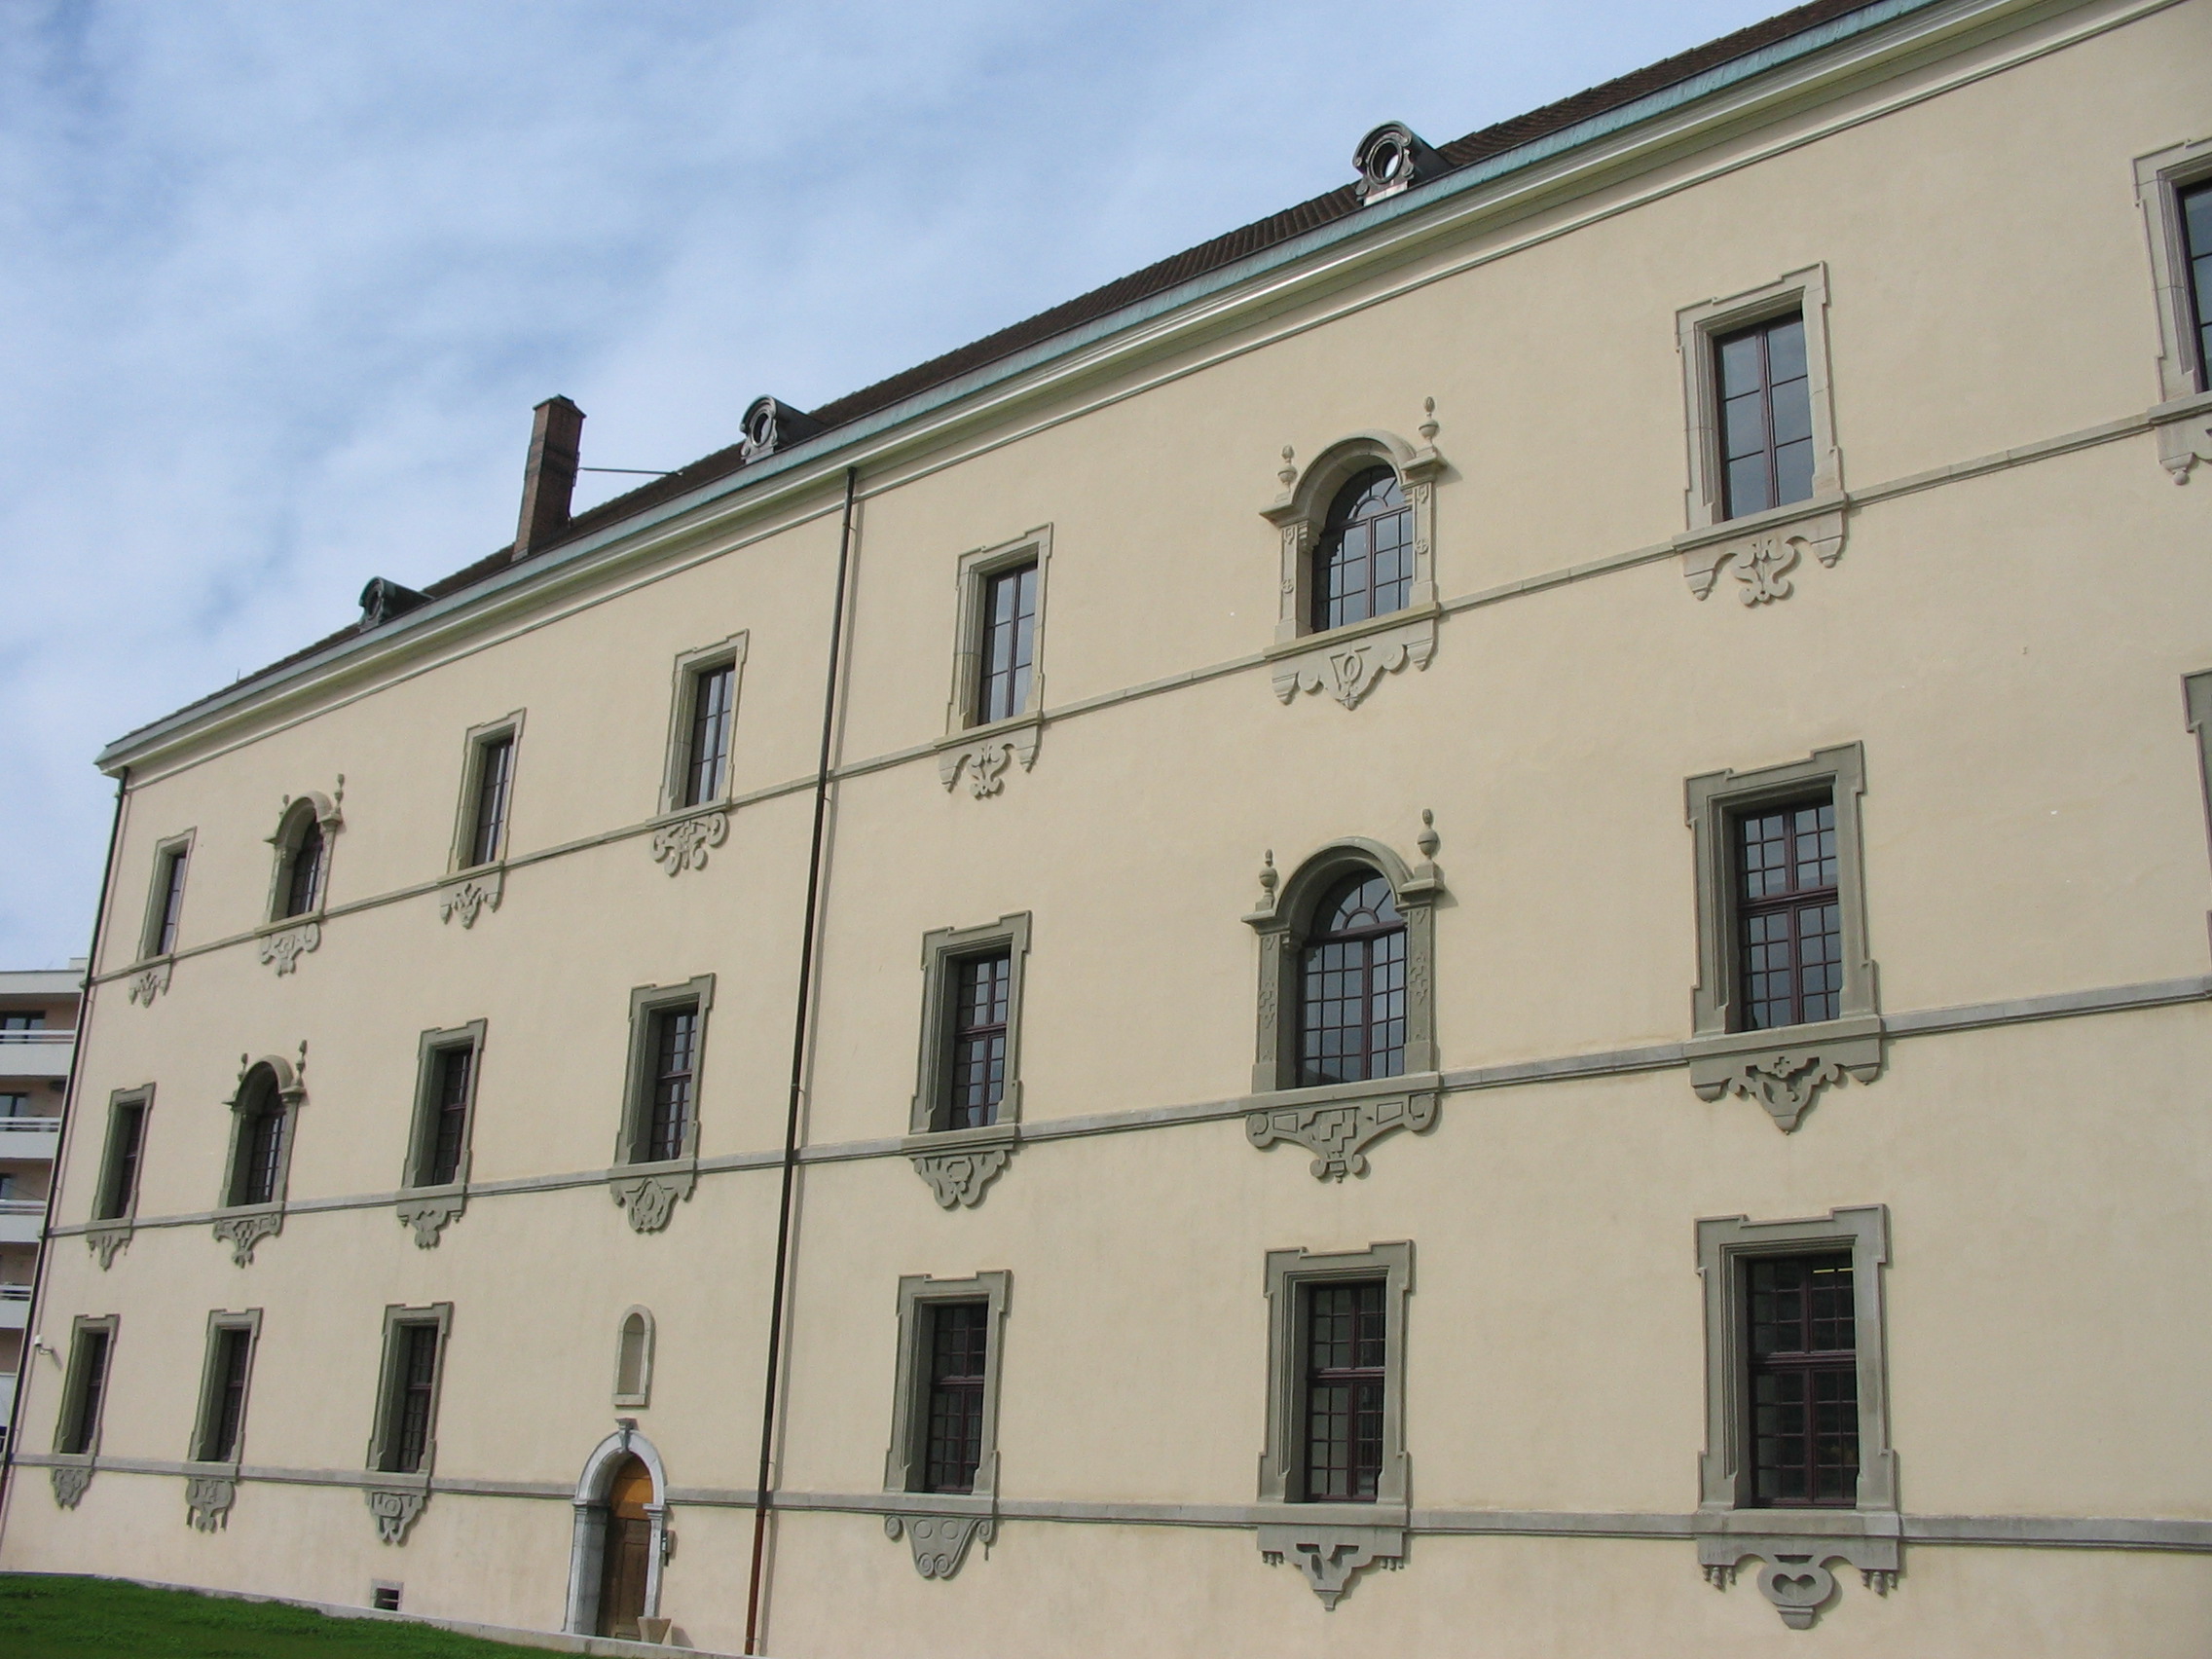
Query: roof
point(1103, 302)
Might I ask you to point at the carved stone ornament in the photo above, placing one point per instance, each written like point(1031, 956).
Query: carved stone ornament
point(1787, 1076)
point(650, 1200)
point(958, 1174)
point(986, 761)
point(284, 947)
point(208, 1500)
point(242, 1233)
point(1764, 551)
point(1348, 671)
point(940, 1542)
point(105, 1241)
point(1794, 1574)
point(1338, 1133)
point(683, 846)
point(470, 898)
point(430, 1215)
point(2185, 434)
point(69, 1482)
point(396, 1510)
point(150, 983)
point(1328, 1556)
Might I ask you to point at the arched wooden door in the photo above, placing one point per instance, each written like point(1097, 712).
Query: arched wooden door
point(628, 1550)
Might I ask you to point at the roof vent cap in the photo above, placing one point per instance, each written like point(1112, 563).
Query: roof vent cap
point(769, 425)
point(1390, 159)
point(384, 599)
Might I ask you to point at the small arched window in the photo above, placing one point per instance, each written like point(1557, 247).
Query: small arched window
point(258, 1164)
point(1364, 564)
point(634, 1359)
point(1352, 986)
point(303, 870)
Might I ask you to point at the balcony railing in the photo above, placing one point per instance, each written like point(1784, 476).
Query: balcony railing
point(22, 1207)
point(38, 1036)
point(14, 1292)
point(28, 1125)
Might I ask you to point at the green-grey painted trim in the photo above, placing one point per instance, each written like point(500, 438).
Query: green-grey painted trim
point(647, 1000)
point(123, 1215)
point(972, 573)
point(399, 1318)
point(178, 845)
point(1566, 1068)
point(941, 950)
point(2129, 426)
point(468, 800)
point(691, 667)
point(1723, 1244)
point(2197, 703)
point(822, 458)
point(423, 1130)
point(1287, 1276)
point(909, 1403)
point(1996, 1532)
point(68, 1421)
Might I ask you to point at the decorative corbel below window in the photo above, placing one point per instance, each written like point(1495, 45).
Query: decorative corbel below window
point(1347, 659)
point(396, 1509)
point(987, 757)
point(208, 1500)
point(1762, 550)
point(473, 894)
point(281, 946)
point(684, 844)
point(995, 716)
point(150, 983)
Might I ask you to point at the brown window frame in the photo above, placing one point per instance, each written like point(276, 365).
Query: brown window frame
point(1810, 1368)
point(906, 1464)
point(1350, 524)
point(226, 1385)
point(958, 1332)
point(1789, 905)
point(1770, 446)
point(637, 1140)
point(1364, 1385)
point(1006, 646)
point(397, 1446)
point(1383, 952)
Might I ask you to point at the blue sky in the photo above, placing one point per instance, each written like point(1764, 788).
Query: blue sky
point(282, 279)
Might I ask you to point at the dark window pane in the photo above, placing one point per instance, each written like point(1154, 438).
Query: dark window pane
point(303, 884)
point(1786, 350)
point(449, 1108)
point(494, 767)
point(674, 1067)
point(1748, 490)
point(414, 1377)
point(958, 1352)
point(1353, 1003)
point(261, 1142)
point(983, 988)
point(714, 695)
point(1346, 1359)
point(233, 1349)
point(173, 902)
point(1765, 416)
point(1800, 1341)
point(2196, 239)
point(1364, 564)
point(1009, 647)
point(83, 1420)
point(122, 1161)
point(1789, 950)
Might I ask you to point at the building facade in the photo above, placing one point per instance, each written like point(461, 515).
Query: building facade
point(38, 1040)
point(1477, 922)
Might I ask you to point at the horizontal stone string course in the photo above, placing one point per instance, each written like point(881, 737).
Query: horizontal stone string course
point(1658, 1057)
point(2025, 1531)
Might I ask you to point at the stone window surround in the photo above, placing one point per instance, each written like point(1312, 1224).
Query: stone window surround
point(1332, 1541)
point(399, 1318)
point(478, 739)
point(649, 1191)
point(105, 1235)
point(245, 1225)
point(1347, 661)
point(291, 826)
point(65, 1420)
point(1794, 1542)
point(429, 1209)
point(204, 1418)
point(641, 1395)
point(1337, 1122)
point(959, 1164)
point(690, 667)
point(157, 895)
point(1787, 1066)
point(1764, 546)
point(987, 749)
point(2183, 415)
point(903, 1462)
point(2196, 700)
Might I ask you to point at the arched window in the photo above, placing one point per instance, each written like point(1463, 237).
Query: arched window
point(302, 870)
point(1364, 564)
point(1352, 986)
point(634, 1359)
point(258, 1162)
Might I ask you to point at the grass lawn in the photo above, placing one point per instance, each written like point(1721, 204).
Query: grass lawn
point(98, 1618)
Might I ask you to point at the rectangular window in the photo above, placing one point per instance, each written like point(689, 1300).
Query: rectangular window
point(15, 1105)
point(971, 1051)
point(407, 1408)
point(982, 987)
point(85, 1387)
point(1790, 923)
point(959, 1358)
point(1804, 1380)
point(714, 709)
point(945, 1414)
point(1766, 416)
point(2196, 215)
point(15, 1026)
point(494, 772)
point(1008, 647)
point(447, 1067)
point(450, 1113)
point(1336, 1376)
point(222, 1403)
point(126, 1141)
point(1346, 1369)
point(165, 900)
point(668, 1038)
point(674, 1047)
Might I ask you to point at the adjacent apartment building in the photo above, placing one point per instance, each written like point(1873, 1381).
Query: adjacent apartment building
point(38, 1038)
point(1476, 922)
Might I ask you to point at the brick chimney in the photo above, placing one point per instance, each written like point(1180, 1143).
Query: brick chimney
point(549, 477)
